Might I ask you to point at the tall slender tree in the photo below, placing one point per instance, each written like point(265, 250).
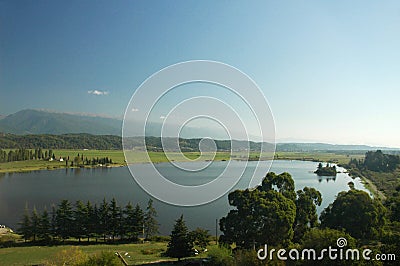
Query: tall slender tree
point(64, 220)
point(25, 228)
point(80, 220)
point(150, 222)
point(104, 219)
point(115, 218)
point(44, 226)
point(53, 221)
point(91, 221)
point(35, 223)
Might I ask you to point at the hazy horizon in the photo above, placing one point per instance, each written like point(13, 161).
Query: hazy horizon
point(254, 139)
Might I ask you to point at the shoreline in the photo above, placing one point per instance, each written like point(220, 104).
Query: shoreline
point(372, 187)
point(114, 165)
point(47, 168)
point(368, 185)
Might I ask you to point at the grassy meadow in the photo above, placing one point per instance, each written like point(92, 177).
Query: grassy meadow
point(118, 158)
point(35, 255)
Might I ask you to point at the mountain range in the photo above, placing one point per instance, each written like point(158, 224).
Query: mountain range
point(27, 122)
point(44, 122)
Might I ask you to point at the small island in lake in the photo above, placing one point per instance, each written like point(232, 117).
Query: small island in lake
point(326, 170)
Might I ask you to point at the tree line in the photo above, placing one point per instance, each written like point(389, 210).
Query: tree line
point(107, 220)
point(376, 161)
point(23, 154)
point(65, 141)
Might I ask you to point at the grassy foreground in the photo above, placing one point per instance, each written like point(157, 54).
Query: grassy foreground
point(33, 255)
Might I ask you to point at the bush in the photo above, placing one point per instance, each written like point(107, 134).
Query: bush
point(70, 256)
point(220, 256)
point(102, 259)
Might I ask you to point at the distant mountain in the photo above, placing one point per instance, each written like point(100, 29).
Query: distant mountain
point(44, 122)
point(307, 147)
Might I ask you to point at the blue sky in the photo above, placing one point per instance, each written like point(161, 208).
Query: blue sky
point(329, 69)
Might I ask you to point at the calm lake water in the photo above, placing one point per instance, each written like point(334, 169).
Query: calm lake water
point(44, 188)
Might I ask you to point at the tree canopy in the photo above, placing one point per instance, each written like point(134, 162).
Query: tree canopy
point(356, 212)
point(267, 214)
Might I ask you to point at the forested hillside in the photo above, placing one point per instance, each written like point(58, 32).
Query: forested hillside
point(67, 141)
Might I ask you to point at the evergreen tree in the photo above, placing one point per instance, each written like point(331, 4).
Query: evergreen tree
point(45, 226)
point(94, 221)
point(53, 221)
point(91, 221)
point(150, 222)
point(200, 237)
point(115, 218)
point(80, 220)
point(25, 228)
point(133, 221)
point(104, 219)
point(180, 244)
point(35, 223)
point(64, 220)
point(139, 217)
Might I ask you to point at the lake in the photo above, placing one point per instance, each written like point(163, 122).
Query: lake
point(44, 188)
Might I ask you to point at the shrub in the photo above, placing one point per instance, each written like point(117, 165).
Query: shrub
point(220, 256)
point(102, 259)
point(70, 256)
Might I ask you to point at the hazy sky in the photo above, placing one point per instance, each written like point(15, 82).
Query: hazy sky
point(329, 69)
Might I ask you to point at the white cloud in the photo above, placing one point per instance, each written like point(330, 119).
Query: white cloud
point(135, 109)
point(162, 117)
point(98, 92)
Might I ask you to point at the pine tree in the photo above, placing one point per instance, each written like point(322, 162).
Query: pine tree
point(64, 220)
point(91, 221)
point(104, 219)
point(25, 228)
point(150, 222)
point(80, 218)
point(53, 222)
point(180, 244)
point(115, 218)
point(45, 226)
point(35, 223)
point(133, 221)
point(94, 220)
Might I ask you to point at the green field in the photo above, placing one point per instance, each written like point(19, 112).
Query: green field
point(118, 158)
point(335, 157)
point(33, 255)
